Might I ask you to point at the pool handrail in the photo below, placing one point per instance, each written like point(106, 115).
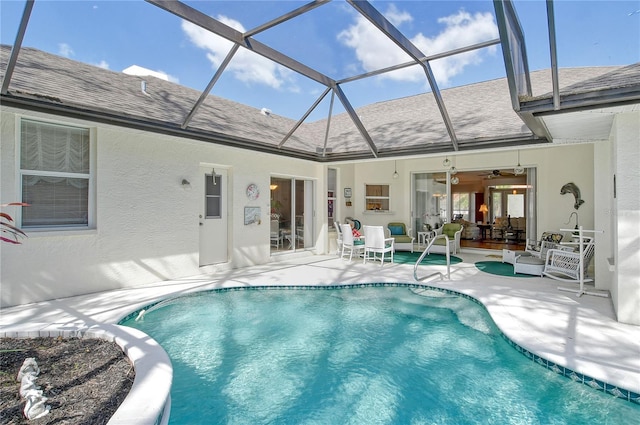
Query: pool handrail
point(425, 252)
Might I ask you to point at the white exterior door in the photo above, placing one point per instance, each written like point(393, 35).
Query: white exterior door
point(213, 217)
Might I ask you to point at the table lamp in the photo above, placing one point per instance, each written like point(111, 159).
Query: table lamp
point(483, 209)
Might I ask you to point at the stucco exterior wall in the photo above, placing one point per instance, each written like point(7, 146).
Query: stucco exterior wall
point(626, 210)
point(147, 226)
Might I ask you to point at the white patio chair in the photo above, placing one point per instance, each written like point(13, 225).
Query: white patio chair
point(349, 243)
point(564, 265)
point(453, 232)
point(275, 234)
point(339, 240)
point(376, 243)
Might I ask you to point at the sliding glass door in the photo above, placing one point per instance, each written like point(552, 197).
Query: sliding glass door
point(482, 198)
point(292, 217)
point(430, 204)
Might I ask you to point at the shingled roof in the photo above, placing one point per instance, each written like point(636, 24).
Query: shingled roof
point(481, 113)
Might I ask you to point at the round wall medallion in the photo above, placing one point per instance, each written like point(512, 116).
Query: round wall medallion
point(253, 192)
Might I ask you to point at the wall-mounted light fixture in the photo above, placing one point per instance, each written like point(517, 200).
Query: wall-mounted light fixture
point(273, 186)
point(186, 184)
point(395, 171)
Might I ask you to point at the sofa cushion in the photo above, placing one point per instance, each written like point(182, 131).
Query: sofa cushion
point(402, 238)
point(396, 229)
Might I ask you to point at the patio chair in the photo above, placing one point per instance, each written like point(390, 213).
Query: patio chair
point(564, 265)
point(531, 263)
point(376, 243)
point(453, 232)
point(349, 243)
point(276, 235)
point(403, 241)
point(339, 239)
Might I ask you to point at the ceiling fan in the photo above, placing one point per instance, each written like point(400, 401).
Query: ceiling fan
point(497, 173)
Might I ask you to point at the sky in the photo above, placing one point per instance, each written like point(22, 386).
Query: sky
point(333, 39)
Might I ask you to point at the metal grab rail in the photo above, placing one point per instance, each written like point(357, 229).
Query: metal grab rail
point(426, 251)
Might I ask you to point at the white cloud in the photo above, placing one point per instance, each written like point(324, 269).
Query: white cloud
point(245, 66)
point(396, 17)
point(65, 50)
point(103, 64)
point(374, 50)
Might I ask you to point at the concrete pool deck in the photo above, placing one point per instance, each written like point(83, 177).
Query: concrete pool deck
point(578, 333)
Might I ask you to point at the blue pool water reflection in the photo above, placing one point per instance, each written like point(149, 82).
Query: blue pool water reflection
point(373, 355)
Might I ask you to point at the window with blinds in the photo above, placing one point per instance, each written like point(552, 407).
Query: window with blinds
point(54, 174)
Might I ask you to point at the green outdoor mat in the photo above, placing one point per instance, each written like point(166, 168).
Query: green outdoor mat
point(406, 257)
point(498, 268)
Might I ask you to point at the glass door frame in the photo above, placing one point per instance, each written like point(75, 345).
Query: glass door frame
point(293, 205)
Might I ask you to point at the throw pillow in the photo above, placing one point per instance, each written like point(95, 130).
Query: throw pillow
point(396, 230)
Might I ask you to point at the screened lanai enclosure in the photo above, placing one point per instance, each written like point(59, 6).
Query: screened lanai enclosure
point(348, 116)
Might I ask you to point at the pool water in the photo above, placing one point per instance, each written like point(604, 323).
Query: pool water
point(373, 355)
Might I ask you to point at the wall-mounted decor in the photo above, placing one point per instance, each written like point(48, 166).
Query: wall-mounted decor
point(253, 192)
point(572, 189)
point(347, 192)
point(251, 215)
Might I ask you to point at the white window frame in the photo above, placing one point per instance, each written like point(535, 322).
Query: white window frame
point(332, 197)
point(377, 198)
point(455, 205)
point(91, 199)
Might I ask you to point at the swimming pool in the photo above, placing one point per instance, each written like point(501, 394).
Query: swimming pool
point(363, 355)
